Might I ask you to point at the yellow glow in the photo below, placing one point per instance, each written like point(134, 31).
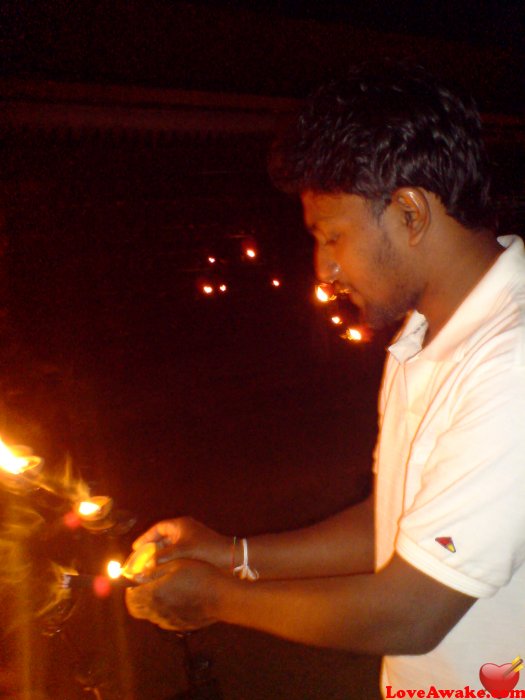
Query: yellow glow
point(354, 334)
point(114, 569)
point(250, 252)
point(207, 289)
point(141, 561)
point(337, 320)
point(321, 294)
point(88, 508)
point(16, 464)
point(223, 288)
point(94, 508)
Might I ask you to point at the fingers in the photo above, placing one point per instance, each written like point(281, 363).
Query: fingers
point(166, 532)
point(168, 553)
point(156, 572)
point(138, 601)
point(168, 599)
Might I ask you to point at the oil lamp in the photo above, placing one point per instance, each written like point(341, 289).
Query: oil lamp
point(93, 513)
point(19, 467)
point(94, 508)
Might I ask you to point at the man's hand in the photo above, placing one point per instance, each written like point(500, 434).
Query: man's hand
point(186, 538)
point(177, 596)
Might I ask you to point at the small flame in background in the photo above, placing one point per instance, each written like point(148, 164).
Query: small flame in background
point(353, 334)
point(325, 293)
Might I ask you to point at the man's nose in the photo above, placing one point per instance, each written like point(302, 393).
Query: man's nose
point(326, 269)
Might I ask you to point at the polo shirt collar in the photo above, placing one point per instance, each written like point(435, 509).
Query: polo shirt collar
point(449, 342)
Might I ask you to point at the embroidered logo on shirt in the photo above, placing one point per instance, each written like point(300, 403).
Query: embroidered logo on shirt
point(447, 543)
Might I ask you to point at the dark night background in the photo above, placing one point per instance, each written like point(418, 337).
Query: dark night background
point(134, 144)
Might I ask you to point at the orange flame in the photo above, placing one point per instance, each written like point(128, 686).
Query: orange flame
point(114, 569)
point(357, 334)
point(14, 461)
point(94, 508)
point(324, 292)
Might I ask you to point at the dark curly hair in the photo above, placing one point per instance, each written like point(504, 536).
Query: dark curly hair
point(384, 127)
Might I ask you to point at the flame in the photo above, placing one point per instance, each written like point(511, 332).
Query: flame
point(337, 320)
point(251, 253)
point(14, 463)
point(114, 569)
point(207, 289)
point(324, 292)
point(94, 508)
point(353, 334)
point(21, 470)
point(141, 561)
point(88, 508)
point(276, 283)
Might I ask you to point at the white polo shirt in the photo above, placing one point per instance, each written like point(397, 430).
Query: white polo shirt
point(450, 465)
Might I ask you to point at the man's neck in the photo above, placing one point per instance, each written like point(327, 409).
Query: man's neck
point(457, 271)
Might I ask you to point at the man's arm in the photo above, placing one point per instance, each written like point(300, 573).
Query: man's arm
point(396, 611)
point(341, 544)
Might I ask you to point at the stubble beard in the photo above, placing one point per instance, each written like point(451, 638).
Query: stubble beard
point(404, 297)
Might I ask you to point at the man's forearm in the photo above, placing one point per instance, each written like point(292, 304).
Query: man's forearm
point(320, 612)
point(396, 611)
point(340, 545)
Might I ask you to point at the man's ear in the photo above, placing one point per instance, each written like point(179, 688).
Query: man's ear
point(414, 211)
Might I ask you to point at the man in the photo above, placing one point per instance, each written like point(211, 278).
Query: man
point(392, 175)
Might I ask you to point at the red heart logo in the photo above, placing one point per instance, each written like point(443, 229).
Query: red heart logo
point(498, 680)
